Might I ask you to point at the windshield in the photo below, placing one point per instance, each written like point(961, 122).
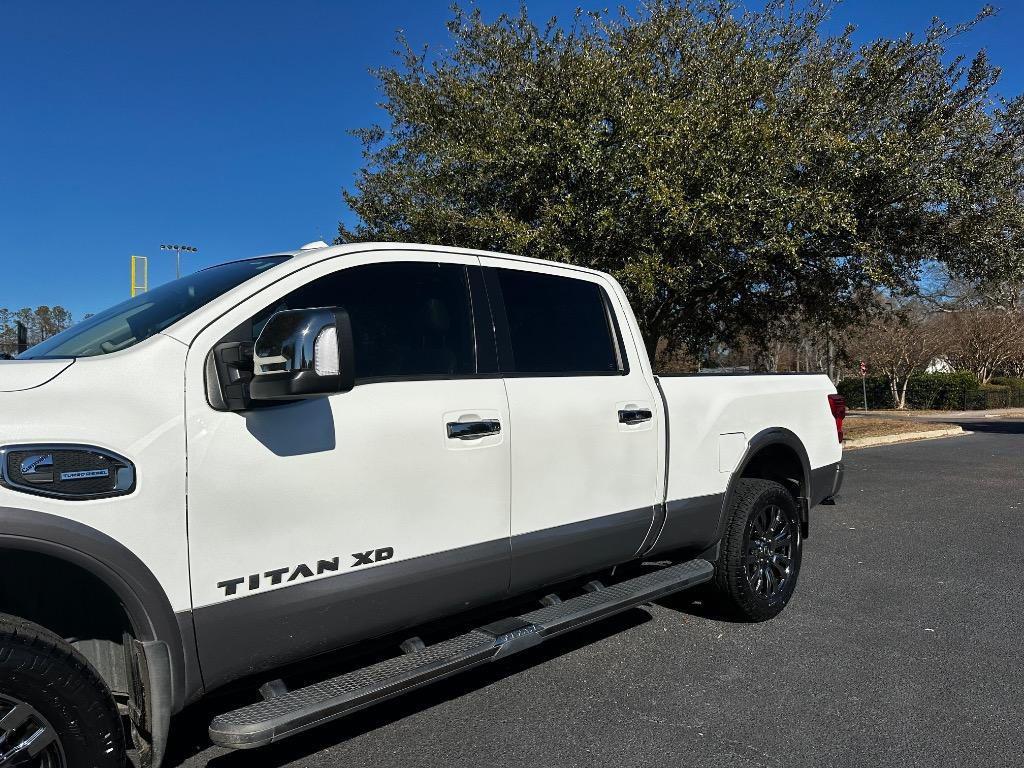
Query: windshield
point(135, 320)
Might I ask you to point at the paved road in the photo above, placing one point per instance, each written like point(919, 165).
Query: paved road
point(902, 647)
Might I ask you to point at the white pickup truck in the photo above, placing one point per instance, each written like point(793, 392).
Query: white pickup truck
point(431, 457)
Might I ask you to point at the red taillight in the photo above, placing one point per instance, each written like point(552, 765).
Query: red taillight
point(838, 405)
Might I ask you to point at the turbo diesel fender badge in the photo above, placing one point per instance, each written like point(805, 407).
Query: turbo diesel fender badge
point(302, 570)
point(38, 468)
point(85, 474)
point(68, 471)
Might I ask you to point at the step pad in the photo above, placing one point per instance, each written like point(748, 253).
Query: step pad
point(270, 720)
point(591, 606)
point(294, 711)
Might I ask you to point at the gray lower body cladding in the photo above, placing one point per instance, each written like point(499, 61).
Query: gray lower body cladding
point(825, 482)
point(560, 553)
point(696, 524)
point(241, 637)
point(691, 524)
point(255, 633)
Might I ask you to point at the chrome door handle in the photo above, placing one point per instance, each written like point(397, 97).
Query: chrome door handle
point(471, 430)
point(635, 416)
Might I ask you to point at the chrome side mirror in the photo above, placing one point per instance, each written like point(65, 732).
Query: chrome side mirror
point(303, 353)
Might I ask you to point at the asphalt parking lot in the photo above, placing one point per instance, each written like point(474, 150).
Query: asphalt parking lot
point(902, 647)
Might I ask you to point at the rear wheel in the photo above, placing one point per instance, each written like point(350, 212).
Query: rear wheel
point(759, 560)
point(55, 712)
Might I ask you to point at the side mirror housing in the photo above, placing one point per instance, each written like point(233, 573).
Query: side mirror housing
point(303, 353)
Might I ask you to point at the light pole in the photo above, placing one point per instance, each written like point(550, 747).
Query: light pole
point(178, 250)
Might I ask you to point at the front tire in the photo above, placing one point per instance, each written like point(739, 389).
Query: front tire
point(759, 559)
point(55, 711)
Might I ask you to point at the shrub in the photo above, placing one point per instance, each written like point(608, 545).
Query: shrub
point(926, 391)
point(1008, 381)
point(879, 392)
point(1014, 397)
point(941, 391)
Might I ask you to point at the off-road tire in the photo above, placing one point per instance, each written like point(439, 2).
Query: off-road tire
point(746, 556)
point(40, 669)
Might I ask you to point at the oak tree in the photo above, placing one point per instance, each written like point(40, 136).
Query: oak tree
point(733, 169)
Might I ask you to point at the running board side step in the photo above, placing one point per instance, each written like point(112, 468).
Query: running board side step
point(289, 712)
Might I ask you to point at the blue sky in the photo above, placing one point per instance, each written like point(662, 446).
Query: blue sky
point(223, 124)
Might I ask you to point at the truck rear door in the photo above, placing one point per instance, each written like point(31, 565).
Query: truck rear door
point(584, 437)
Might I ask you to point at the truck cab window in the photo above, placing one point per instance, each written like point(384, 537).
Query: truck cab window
point(558, 325)
point(409, 319)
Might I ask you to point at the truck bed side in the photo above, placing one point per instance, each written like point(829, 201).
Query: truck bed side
point(718, 424)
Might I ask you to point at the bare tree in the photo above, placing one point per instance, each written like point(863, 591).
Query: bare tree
point(1015, 368)
point(983, 341)
point(898, 342)
point(41, 323)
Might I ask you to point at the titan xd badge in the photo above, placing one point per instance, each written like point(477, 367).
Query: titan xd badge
point(302, 570)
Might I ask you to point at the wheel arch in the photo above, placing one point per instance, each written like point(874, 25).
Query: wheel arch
point(144, 600)
point(775, 454)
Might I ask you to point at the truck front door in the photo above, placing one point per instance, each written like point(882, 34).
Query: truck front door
point(326, 521)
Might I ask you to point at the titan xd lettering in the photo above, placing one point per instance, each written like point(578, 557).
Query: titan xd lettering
point(302, 570)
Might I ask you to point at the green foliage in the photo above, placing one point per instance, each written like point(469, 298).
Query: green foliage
point(940, 391)
point(927, 391)
point(995, 396)
point(1005, 392)
point(732, 169)
point(1010, 382)
point(878, 391)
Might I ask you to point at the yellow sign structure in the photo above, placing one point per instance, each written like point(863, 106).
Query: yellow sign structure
point(140, 274)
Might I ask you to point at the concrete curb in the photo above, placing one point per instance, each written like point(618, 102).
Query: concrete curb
point(906, 437)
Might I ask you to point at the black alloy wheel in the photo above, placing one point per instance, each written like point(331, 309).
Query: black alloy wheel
point(27, 740)
point(771, 538)
point(55, 709)
point(759, 556)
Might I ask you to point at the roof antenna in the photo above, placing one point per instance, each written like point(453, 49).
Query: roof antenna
point(316, 244)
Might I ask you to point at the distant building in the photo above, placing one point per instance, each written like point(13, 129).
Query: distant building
point(938, 365)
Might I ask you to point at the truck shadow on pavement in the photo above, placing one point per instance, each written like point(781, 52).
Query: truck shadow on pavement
point(188, 737)
point(699, 602)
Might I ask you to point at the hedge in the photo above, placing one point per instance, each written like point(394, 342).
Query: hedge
point(1017, 385)
point(927, 391)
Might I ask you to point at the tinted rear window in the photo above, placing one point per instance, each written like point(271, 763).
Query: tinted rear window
point(558, 325)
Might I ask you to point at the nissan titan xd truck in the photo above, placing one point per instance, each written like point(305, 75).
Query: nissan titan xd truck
point(407, 460)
